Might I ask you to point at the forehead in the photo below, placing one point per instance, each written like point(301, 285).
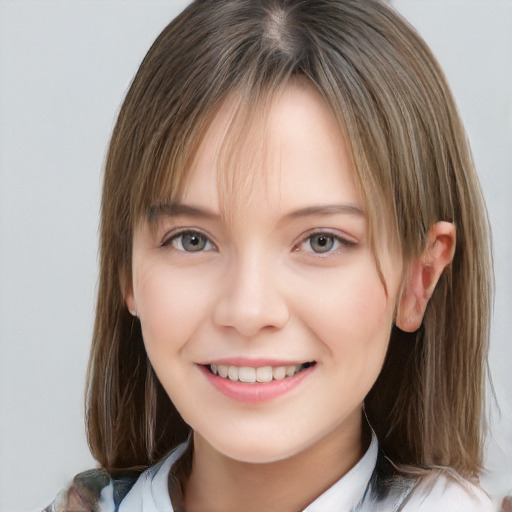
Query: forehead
point(287, 151)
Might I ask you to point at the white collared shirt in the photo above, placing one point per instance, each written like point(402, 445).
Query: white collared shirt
point(150, 492)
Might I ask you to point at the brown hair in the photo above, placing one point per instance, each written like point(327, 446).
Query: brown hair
point(410, 157)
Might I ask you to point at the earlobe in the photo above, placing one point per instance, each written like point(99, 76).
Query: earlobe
point(127, 291)
point(423, 275)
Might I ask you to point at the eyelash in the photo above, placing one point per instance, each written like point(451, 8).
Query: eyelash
point(340, 241)
point(177, 235)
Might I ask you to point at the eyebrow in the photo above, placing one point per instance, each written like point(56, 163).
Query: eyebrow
point(328, 209)
point(176, 209)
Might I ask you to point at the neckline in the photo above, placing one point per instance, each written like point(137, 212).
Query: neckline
point(151, 492)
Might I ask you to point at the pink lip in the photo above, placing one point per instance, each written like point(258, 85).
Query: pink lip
point(257, 392)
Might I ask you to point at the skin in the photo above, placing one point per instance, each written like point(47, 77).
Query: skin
point(259, 288)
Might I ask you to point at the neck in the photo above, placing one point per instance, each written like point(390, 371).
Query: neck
point(220, 484)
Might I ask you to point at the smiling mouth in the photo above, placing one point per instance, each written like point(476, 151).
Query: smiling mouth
point(251, 375)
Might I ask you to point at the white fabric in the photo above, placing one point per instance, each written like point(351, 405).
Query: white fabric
point(347, 492)
point(447, 495)
point(150, 492)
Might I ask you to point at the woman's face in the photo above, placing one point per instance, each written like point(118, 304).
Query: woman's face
point(267, 331)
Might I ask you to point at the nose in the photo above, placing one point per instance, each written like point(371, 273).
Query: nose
point(251, 299)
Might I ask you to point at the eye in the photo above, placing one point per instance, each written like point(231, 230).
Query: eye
point(189, 241)
point(324, 243)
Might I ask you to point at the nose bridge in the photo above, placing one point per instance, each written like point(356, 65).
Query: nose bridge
point(251, 298)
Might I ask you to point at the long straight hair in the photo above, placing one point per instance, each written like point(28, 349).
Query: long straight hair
point(413, 167)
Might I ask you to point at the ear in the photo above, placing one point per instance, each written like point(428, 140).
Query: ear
point(423, 275)
point(125, 283)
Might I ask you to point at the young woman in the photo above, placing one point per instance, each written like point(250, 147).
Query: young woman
point(294, 294)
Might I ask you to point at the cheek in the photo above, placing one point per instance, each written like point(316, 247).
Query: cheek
point(352, 317)
point(171, 305)
point(350, 301)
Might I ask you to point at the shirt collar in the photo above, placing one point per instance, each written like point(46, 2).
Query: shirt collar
point(348, 491)
point(150, 493)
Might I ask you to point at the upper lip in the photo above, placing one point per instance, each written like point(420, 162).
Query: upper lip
point(256, 362)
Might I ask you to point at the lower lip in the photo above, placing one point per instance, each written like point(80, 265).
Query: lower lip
point(258, 391)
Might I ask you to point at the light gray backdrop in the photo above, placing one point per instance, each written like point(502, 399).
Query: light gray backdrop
point(64, 68)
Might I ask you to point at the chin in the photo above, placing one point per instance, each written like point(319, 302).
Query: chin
point(257, 449)
point(256, 455)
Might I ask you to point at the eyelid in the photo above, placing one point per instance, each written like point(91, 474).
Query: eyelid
point(174, 233)
point(346, 241)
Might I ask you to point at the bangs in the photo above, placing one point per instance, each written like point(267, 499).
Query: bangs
point(244, 159)
point(241, 154)
point(165, 166)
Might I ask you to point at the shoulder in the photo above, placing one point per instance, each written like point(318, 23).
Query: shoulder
point(90, 491)
point(441, 492)
point(99, 491)
point(408, 489)
point(83, 494)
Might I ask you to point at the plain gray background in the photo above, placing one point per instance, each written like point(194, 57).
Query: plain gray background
point(64, 68)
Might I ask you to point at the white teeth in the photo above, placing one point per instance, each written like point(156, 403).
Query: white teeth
point(252, 375)
point(247, 374)
point(233, 373)
point(290, 370)
point(264, 374)
point(279, 373)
